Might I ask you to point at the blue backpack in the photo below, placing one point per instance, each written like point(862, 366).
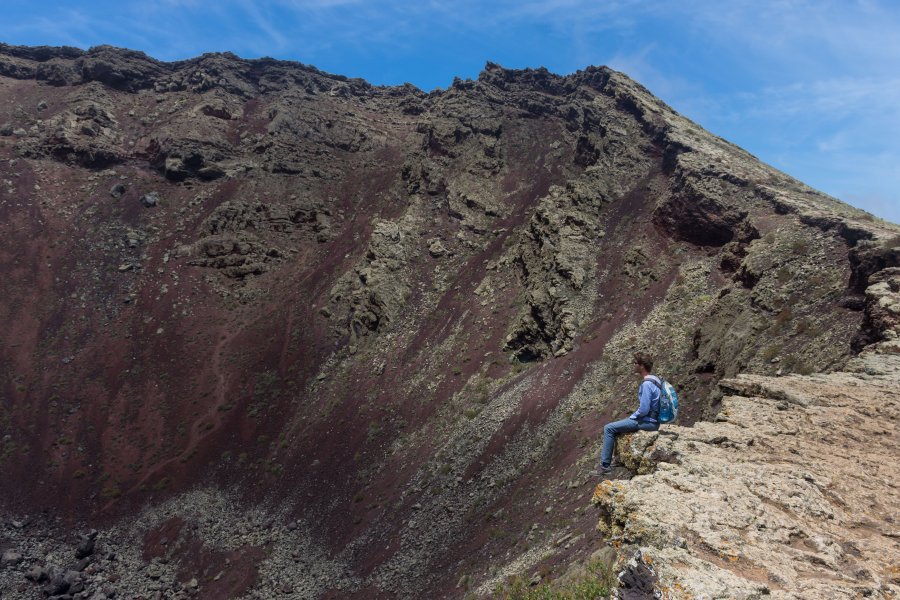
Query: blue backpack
point(668, 400)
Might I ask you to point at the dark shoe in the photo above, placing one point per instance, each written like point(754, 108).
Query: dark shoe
point(600, 471)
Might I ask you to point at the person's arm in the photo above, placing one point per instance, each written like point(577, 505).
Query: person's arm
point(644, 401)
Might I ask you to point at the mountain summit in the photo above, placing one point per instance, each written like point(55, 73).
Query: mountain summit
point(276, 332)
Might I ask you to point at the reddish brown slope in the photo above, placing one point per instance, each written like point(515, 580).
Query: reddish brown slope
point(376, 307)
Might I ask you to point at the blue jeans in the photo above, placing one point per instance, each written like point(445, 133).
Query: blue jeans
point(618, 427)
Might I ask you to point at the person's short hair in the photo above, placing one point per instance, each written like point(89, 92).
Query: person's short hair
point(644, 359)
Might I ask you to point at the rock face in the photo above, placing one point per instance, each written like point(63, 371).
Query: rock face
point(395, 319)
point(792, 492)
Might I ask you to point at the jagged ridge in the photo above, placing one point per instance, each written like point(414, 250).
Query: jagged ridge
point(398, 317)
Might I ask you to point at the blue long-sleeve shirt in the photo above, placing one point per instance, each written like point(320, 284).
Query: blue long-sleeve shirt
point(648, 402)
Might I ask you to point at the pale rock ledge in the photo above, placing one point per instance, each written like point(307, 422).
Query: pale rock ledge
point(791, 493)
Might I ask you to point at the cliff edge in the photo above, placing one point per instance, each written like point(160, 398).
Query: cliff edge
point(792, 492)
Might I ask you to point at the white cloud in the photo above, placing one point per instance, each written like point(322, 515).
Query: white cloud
point(257, 11)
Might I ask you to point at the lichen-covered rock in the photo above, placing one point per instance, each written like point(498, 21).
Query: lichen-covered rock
point(883, 308)
point(557, 253)
point(85, 133)
point(374, 294)
point(244, 238)
point(790, 493)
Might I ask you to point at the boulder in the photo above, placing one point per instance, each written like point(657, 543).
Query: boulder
point(150, 200)
point(10, 558)
point(37, 574)
point(117, 190)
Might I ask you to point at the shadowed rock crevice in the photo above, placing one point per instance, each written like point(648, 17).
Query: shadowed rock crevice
point(697, 217)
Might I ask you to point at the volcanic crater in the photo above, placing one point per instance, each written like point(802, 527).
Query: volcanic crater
point(277, 332)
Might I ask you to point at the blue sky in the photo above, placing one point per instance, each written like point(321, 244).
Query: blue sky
point(811, 87)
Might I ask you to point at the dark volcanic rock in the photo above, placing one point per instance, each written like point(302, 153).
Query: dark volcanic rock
point(122, 69)
point(699, 217)
point(59, 584)
point(85, 548)
point(394, 319)
point(150, 200)
point(118, 190)
point(37, 574)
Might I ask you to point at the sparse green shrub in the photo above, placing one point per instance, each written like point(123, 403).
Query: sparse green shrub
point(374, 430)
point(186, 457)
point(110, 491)
point(784, 317)
point(769, 352)
point(482, 394)
point(254, 410)
point(599, 582)
point(464, 582)
point(796, 364)
point(266, 380)
point(799, 246)
point(814, 330)
point(804, 368)
point(9, 446)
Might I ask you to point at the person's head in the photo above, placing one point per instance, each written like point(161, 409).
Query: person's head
point(643, 363)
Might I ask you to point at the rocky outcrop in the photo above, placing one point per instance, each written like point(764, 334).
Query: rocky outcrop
point(791, 492)
point(556, 255)
point(247, 238)
point(181, 159)
point(694, 212)
point(883, 309)
point(85, 133)
point(374, 293)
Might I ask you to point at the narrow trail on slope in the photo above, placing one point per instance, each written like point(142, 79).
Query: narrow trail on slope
point(213, 415)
